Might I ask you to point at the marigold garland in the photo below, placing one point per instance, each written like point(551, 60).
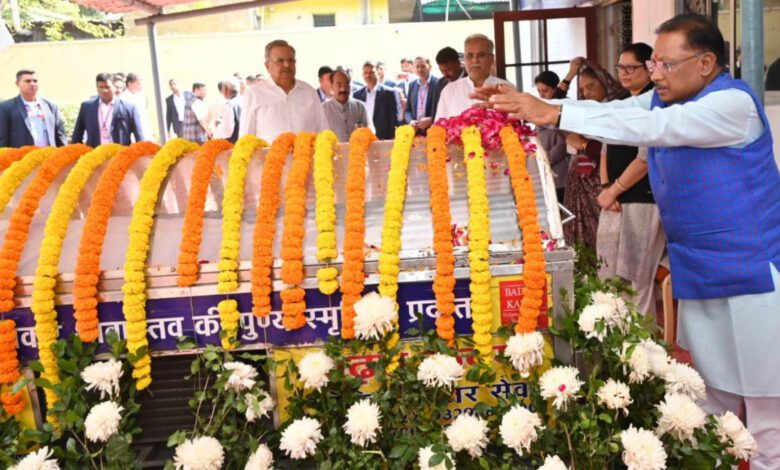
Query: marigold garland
point(390, 258)
point(13, 403)
point(193, 216)
point(534, 266)
point(54, 233)
point(479, 241)
point(22, 216)
point(229, 317)
point(18, 171)
point(139, 230)
point(265, 228)
point(352, 278)
point(293, 301)
point(233, 211)
point(85, 291)
point(444, 282)
point(325, 210)
point(10, 155)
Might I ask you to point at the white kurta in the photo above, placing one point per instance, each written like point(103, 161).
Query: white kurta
point(731, 339)
point(455, 98)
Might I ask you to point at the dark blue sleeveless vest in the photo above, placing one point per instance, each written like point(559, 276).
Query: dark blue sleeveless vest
point(720, 208)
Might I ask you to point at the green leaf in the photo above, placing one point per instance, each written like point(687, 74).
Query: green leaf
point(398, 451)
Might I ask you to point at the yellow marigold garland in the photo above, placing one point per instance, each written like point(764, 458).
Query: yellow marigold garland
point(265, 228)
point(192, 231)
point(9, 367)
point(352, 277)
point(293, 301)
point(232, 213)
point(54, 233)
point(390, 258)
point(444, 282)
point(11, 155)
point(534, 265)
point(140, 229)
point(479, 241)
point(325, 210)
point(18, 171)
point(22, 216)
point(85, 283)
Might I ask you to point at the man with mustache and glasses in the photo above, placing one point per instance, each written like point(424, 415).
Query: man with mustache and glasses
point(283, 103)
point(714, 177)
point(344, 113)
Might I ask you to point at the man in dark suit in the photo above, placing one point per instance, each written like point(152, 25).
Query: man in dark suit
point(451, 70)
point(174, 109)
point(380, 72)
point(381, 103)
point(419, 103)
point(106, 118)
point(29, 120)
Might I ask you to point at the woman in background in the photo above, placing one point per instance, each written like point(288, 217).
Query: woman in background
point(553, 141)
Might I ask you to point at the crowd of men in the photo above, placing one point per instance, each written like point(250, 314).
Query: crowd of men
point(264, 106)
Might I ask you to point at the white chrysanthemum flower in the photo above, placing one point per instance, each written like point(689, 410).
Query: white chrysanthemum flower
point(591, 317)
point(363, 422)
point(732, 433)
point(525, 351)
point(200, 453)
point(440, 370)
point(258, 408)
point(300, 439)
point(560, 383)
point(38, 460)
point(242, 376)
point(104, 377)
point(102, 421)
point(261, 459)
point(424, 456)
point(518, 428)
point(682, 378)
point(609, 298)
point(468, 433)
point(314, 368)
point(642, 450)
point(553, 463)
point(647, 359)
point(680, 417)
point(615, 395)
point(374, 316)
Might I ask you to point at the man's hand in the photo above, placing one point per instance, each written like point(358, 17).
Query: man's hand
point(424, 123)
point(484, 93)
point(607, 200)
point(524, 107)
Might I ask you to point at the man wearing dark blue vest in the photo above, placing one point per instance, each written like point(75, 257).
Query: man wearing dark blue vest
point(714, 177)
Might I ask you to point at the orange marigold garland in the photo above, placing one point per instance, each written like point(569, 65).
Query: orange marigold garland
point(352, 278)
point(444, 282)
point(13, 403)
point(10, 155)
point(193, 215)
point(265, 228)
point(21, 218)
point(85, 291)
point(293, 302)
point(18, 171)
point(534, 277)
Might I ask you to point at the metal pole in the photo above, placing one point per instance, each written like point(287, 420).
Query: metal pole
point(151, 29)
point(753, 45)
point(733, 37)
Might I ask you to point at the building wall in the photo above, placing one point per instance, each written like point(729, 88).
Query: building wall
point(647, 15)
point(285, 16)
point(67, 78)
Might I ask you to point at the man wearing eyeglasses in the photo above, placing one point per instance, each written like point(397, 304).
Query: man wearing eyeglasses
point(479, 59)
point(283, 103)
point(716, 183)
point(28, 119)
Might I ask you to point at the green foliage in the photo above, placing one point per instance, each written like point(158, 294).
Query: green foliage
point(54, 15)
point(220, 411)
point(69, 442)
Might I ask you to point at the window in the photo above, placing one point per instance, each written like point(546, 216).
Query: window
point(323, 21)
